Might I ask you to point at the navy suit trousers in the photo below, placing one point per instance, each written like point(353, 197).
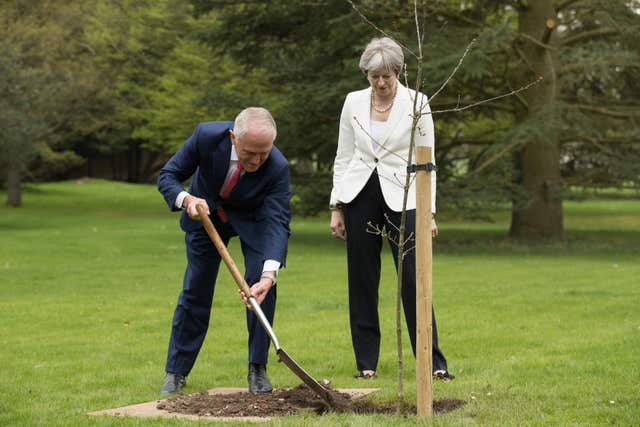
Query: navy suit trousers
point(191, 317)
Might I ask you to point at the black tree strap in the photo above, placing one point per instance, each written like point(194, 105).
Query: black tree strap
point(423, 167)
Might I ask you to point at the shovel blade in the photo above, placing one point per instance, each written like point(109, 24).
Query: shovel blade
point(318, 388)
point(287, 360)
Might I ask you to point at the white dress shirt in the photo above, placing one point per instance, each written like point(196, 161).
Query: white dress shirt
point(377, 130)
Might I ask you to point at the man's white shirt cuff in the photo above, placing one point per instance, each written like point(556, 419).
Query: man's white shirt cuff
point(271, 265)
point(180, 199)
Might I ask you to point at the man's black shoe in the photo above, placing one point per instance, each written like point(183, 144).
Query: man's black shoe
point(258, 379)
point(173, 383)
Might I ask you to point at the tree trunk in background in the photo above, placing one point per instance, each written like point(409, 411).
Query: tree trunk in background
point(133, 162)
point(539, 161)
point(14, 198)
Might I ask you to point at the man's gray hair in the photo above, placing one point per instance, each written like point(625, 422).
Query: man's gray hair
point(256, 117)
point(382, 54)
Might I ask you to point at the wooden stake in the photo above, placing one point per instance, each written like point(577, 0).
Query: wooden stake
point(424, 362)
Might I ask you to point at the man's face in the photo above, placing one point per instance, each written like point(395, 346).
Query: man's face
point(253, 148)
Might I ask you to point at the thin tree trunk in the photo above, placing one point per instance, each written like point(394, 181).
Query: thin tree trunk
point(539, 160)
point(417, 111)
point(14, 198)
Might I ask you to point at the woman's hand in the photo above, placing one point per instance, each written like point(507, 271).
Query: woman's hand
point(337, 224)
point(434, 228)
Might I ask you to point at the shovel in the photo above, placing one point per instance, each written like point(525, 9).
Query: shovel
point(318, 388)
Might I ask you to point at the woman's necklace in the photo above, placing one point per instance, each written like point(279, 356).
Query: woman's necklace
point(384, 108)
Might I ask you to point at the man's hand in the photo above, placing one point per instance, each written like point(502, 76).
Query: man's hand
point(337, 224)
point(190, 202)
point(259, 291)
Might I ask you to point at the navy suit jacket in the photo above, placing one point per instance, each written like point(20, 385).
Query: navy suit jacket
point(258, 207)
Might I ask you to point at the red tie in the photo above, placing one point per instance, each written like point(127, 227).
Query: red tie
point(227, 188)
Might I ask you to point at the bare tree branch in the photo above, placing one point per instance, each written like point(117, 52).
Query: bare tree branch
point(460, 17)
point(601, 32)
point(380, 30)
point(424, 22)
point(450, 101)
point(519, 97)
point(377, 230)
point(406, 252)
point(398, 181)
point(605, 141)
point(523, 57)
point(603, 148)
point(536, 42)
point(607, 112)
point(419, 34)
point(583, 64)
point(484, 101)
point(601, 101)
point(446, 102)
point(380, 146)
point(399, 184)
point(495, 157)
point(466, 51)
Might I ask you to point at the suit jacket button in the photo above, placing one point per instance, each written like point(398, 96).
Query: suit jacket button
point(375, 160)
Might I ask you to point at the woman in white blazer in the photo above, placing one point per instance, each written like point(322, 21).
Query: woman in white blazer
point(368, 179)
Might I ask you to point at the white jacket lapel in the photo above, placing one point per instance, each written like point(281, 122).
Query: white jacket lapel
point(363, 116)
point(399, 111)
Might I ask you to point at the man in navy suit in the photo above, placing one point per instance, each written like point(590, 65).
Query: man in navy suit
point(242, 180)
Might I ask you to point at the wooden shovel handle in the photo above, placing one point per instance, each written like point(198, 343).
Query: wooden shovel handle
point(222, 250)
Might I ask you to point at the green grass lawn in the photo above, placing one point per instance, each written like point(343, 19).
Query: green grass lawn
point(90, 272)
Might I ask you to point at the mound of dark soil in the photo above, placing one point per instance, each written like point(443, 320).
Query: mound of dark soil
point(286, 402)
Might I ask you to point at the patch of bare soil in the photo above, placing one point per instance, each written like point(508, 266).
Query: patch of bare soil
point(286, 402)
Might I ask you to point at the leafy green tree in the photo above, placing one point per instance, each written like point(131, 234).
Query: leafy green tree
point(40, 88)
point(560, 133)
point(195, 83)
point(159, 79)
point(307, 51)
point(305, 54)
point(575, 127)
point(132, 42)
point(584, 50)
